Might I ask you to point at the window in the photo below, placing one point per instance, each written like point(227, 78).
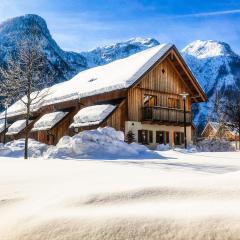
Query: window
point(149, 100)
point(174, 103)
point(145, 136)
point(150, 136)
point(178, 138)
point(162, 137)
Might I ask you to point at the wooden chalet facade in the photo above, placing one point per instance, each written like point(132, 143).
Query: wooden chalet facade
point(151, 107)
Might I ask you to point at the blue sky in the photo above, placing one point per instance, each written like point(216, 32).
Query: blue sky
point(82, 25)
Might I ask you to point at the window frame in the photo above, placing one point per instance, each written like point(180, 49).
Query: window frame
point(148, 101)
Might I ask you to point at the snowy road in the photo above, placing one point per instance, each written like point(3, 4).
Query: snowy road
point(182, 196)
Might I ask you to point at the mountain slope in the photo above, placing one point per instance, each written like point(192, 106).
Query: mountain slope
point(63, 64)
point(215, 66)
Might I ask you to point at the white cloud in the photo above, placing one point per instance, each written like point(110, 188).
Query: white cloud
point(206, 14)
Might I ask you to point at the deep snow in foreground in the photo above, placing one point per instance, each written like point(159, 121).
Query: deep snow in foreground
point(181, 196)
point(100, 143)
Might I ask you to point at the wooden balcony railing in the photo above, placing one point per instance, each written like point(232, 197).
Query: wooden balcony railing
point(166, 115)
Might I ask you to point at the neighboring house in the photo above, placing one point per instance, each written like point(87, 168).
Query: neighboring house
point(139, 93)
point(228, 132)
point(210, 130)
point(215, 130)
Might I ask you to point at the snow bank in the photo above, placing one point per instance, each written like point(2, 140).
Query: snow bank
point(102, 143)
point(48, 121)
point(92, 115)
point(16, 148)
point(215, 146)
point(162, 147)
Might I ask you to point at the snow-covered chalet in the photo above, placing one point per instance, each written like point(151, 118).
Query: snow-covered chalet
point(138, 94)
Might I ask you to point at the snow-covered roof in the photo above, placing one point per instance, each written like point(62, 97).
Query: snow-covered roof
point(48, 121)
point(17, 127)
point(92, 115)
point(113, 76)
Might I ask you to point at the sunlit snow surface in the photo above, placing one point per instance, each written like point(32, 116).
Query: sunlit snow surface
point(179, 196)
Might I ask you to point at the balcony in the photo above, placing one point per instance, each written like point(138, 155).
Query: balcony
point(166, 115)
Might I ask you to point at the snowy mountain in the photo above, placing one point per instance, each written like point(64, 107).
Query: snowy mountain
point(63, 64)
point(107, 54)
point(215, 66)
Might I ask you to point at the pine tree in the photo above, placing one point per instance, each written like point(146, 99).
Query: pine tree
point(130, 137)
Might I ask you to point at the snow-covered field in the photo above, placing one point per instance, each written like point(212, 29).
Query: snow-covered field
point(179, 196)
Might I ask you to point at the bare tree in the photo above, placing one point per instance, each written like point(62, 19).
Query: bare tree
point(28, 75)
point(8, 90)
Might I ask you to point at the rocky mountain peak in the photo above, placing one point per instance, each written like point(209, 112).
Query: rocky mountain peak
point(207, 49)
point(21, 24)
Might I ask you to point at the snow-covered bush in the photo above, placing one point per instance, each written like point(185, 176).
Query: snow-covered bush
point(101, 143)
point(216, 145)
point(16, 148)
point(162, 147)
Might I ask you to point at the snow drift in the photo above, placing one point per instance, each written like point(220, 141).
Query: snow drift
point(101, 143)
point(16, 148)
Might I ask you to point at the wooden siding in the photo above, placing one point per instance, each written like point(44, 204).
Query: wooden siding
point(162, 81)
point(118, 118)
